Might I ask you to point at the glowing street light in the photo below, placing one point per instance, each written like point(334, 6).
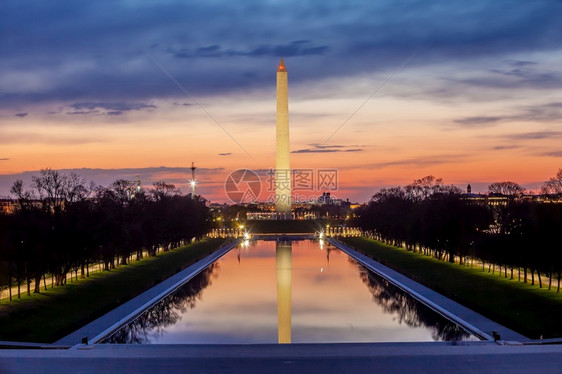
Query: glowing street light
point(192, 182)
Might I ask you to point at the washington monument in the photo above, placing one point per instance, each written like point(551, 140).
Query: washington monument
point(283, 163)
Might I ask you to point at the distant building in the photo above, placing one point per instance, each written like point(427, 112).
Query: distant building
point(7, 206)
point(496, 199)
point(275, 216)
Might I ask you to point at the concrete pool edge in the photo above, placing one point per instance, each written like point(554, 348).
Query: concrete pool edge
point(96, 330)
point(463, 316)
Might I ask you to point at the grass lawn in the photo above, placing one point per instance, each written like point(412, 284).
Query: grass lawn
point(54, 313)
point(526, 309)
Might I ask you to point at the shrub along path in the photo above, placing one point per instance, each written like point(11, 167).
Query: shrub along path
point(527, 309)
point(56, 312)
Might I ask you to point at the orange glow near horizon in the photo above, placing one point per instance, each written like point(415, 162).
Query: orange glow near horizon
point(392, 140)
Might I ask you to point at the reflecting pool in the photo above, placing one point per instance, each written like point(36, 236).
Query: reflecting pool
point(287, 292)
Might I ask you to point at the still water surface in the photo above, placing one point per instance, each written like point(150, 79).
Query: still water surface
point(295, 291)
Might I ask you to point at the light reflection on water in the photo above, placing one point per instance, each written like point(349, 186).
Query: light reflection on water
point(296, 291)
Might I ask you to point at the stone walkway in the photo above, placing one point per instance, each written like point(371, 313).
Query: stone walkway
point(482, 357)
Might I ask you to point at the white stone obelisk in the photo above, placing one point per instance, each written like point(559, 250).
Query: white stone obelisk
point(283, 164)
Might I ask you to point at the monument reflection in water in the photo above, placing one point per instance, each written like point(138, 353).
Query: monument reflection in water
point(284, 265)
point(283, 292)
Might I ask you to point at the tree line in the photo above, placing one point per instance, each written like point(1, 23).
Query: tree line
point(62, 224)
point(429, 217)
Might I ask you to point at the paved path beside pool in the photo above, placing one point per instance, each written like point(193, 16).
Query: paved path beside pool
point(460, 314)
point(432, 357)
point(109, 322)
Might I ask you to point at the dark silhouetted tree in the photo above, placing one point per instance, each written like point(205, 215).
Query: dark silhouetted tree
point(506, 188)
point(553, 186)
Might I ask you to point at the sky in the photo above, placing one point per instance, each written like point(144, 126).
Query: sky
point(383, 92)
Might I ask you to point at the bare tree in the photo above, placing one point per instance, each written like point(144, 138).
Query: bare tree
point(553, 185)
point(122, 190)
point(24, 197)
point(429, 186)
point(423, 188)
point(506, 188)
point(55, 189)
point(164, 190)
